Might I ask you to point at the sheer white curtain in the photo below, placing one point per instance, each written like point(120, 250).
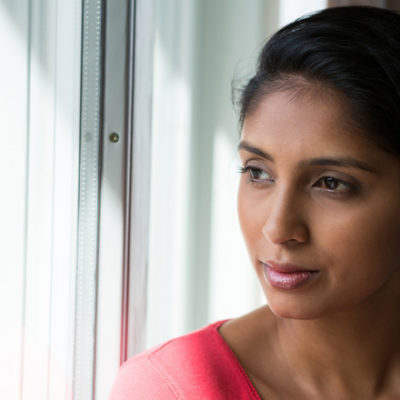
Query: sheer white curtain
point(39, 158)
point(198, 268)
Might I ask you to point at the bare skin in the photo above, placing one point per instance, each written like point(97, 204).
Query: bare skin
point(338, 335)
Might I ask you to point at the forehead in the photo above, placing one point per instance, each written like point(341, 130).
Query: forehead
point(310, 125)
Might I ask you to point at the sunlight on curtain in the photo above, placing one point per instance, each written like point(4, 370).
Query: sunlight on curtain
point(40, 86)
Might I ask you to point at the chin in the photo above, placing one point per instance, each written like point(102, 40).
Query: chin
point(295, 309)
point(286, 313)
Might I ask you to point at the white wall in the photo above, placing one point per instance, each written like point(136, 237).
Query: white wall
point(198, 266)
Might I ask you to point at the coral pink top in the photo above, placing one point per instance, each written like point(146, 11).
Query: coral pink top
point(196, 366)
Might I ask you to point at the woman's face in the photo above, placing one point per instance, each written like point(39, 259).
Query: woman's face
point(317, 196)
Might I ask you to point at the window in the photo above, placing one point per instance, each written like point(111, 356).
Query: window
point(70, 93)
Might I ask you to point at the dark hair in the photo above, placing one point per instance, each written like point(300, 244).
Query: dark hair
point(354, 52)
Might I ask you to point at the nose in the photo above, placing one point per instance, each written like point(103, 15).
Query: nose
point(286, 221)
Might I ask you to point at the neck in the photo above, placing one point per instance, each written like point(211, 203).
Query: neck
point(355, 349)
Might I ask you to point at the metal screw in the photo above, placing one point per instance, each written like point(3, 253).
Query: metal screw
point(114, 137)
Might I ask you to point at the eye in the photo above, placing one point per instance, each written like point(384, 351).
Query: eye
point(334, 185)
point(256, 174)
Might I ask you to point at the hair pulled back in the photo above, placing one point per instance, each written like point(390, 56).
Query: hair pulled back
point(351, 51)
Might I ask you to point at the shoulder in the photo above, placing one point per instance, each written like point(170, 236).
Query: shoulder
point(199, 365)
point(137, 378)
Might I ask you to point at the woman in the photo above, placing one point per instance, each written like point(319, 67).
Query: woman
point(319, 207)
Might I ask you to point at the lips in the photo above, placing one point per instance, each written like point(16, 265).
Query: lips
point(287, 276)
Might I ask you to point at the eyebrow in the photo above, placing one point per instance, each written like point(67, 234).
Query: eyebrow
point(347, 162)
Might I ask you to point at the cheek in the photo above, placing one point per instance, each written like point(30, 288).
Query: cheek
point(363, 245)
point(250, 217)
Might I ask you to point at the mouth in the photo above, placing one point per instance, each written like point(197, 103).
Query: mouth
point(287, 276)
